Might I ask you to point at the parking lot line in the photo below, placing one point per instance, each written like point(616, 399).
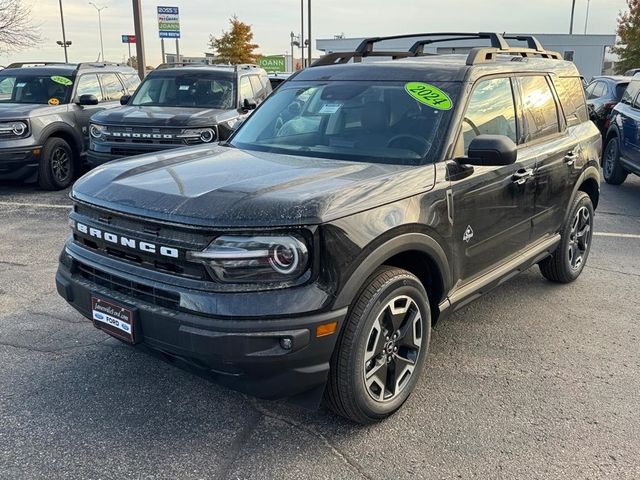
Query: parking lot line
point(34, 205)
point(619, 235)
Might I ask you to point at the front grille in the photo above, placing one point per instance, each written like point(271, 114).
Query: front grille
point(156, 296)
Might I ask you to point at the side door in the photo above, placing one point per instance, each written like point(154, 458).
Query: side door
point(556, 149)
point(492, 206)
point(627, 120)
point(87, 84)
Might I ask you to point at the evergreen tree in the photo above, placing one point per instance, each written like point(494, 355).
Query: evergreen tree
point(628, 46)
point(236, 45)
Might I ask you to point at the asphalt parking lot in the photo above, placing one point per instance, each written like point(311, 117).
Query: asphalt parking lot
point(534, 381)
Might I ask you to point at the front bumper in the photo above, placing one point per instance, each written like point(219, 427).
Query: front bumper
point(242, 353)
point(19, 163)
point(100, 153)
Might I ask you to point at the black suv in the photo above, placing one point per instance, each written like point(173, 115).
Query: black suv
point(44, 116)
point(362, 202)
point(178, 105)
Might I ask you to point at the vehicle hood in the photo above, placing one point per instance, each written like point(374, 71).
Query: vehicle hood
point(217, 186)
point(16, 111)
point(161, 116)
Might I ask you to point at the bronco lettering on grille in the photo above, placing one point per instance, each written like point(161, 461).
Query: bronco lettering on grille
point(127, 242)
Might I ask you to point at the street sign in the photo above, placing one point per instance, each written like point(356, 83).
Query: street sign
point(168, 22)
point(273, 63)
point(128, 39)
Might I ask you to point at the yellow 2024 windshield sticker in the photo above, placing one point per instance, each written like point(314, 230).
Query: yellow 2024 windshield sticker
point(429, 95)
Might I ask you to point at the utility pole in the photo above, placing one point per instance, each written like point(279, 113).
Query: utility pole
point(137, 23)
point(302, 31)
point(310, 41)
point(586, 18)
point(64, 36)
point(99, 10)
point(573, 10)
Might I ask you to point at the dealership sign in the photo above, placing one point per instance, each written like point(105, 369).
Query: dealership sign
point(168, 22)
point(274, 63)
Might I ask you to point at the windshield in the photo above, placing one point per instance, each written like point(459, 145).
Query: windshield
point(379, 122)
point(186, 90)
point(36, 89)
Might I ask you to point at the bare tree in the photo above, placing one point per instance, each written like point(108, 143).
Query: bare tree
point(17, 30)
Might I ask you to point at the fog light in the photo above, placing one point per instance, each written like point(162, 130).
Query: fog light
point(286, 343)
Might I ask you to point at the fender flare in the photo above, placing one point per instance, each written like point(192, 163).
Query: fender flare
point(591, 172)
point(52, 129)
point(402, 243)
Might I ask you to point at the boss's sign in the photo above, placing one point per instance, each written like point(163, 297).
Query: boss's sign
point(168, 22)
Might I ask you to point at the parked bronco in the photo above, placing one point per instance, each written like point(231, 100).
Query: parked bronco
point(178, 105)
point(44, 116)
point(362, 202)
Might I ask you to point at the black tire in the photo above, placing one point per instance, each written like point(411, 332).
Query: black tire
point(57, 166)
point(569, 259)
point(614, 172)
point(348, 393)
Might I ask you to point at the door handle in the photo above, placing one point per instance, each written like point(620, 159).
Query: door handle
point(571, 156)
point(522, 175)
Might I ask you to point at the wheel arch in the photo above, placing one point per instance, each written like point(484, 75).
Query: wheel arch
point(588, 182)
point(415, 252)
point(69, 135)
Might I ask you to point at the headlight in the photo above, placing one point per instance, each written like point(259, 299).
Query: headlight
point(97, 131)
point(255, 259)
point(198, 135)
point(17, 128)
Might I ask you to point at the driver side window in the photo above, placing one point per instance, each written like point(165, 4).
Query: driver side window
point(491, 110)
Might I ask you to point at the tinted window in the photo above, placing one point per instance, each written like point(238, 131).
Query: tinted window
point(620, 88)
point(572, 99)
point(246, 91)
point(369, 121)
point(491, 110)
point(131, 82)
point(37, 89)
point(631, 92)
point(185, 89)
point(89, 85)
point(111, 86)
point(540, 111)
point(257, 86)
point(600, 90)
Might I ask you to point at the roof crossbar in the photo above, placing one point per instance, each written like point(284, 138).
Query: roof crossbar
point(499, 45)
point(24, 64)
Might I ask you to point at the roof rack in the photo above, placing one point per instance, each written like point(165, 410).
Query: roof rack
point(236, 67)
point(477, 55)
point(100, 65)
point(35, 64)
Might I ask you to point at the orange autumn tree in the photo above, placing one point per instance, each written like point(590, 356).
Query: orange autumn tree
point(628, 45)
point(235, 46)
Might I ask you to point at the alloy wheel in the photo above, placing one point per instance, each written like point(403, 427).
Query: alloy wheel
point(579, 238)
point(610, 158)
point(392, 349)
point(60, 164)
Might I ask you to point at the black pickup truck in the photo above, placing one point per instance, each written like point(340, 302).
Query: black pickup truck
point(311, 254)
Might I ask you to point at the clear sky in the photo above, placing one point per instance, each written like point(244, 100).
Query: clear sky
point(272, 20)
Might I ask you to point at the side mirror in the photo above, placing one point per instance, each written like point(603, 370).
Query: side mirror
point(249, 104)
point(88, 99)
point(491, 150)
point(124, 100)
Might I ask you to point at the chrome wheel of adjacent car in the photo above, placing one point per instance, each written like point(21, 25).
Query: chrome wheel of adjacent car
point(579, 238)
point(393, 347)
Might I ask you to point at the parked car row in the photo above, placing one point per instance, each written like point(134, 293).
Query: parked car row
point(56, 117)
point(614, 107)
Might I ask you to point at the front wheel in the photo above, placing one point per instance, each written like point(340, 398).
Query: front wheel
point(614, 173)
point(383, 347)
point(57, 165)
point(569, 259)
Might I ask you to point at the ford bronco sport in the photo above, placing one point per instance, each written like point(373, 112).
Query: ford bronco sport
point(178, 105)
point(44, 116)
point(312, 253)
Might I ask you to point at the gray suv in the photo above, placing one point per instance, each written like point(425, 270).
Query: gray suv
point(44, 116)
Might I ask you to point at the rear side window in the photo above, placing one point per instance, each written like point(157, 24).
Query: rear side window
point(631, 92)
point(491, 110)
point(572, 100)
point(539, 106)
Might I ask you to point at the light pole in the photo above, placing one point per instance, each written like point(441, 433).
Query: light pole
point(302, 31)
point(99, 10)
point(310, 57)
point(64, 38)
point(586, 19)
point(573, 9)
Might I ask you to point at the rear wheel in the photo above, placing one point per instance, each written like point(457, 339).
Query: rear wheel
point(569, 259)
point(383, 347)
point(614, 173)
point(57, 165)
